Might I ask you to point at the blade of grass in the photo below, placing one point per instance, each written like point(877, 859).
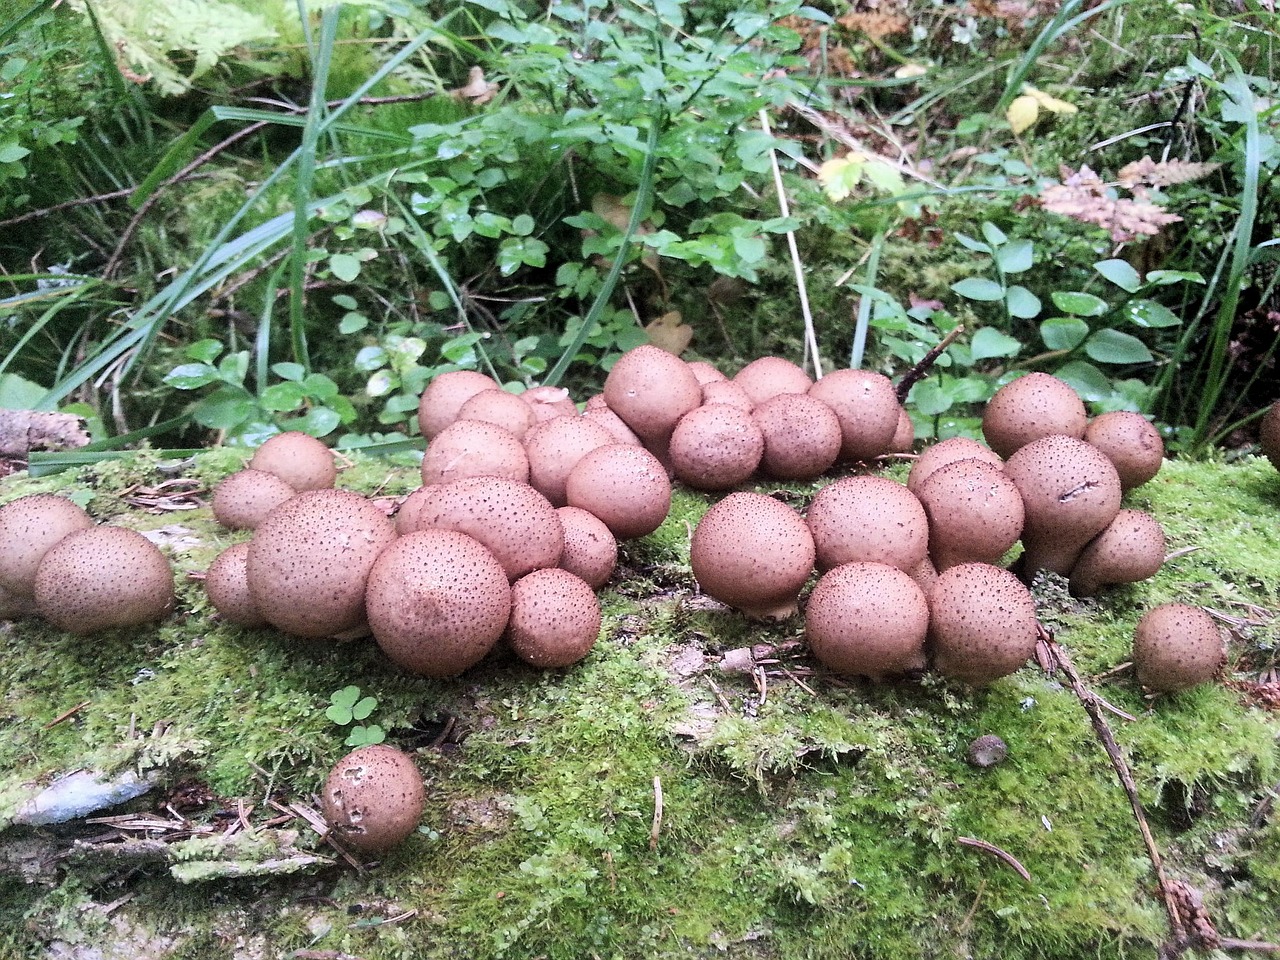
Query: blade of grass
point(44, 463)
point(863, 321)
point(262, 339)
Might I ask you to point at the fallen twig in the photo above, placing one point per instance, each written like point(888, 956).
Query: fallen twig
point(919, 371)
point(67, 714)
point(657, 813)
point(1003, 855)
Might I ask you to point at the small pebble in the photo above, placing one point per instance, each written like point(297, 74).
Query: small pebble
point(987, 751)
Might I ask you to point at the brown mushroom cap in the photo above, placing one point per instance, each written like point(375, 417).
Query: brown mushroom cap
point(373, 799)
point(555, 618)
point(867, 619)
point(502, 409)
point(1269, 434)
point(1176, 646)
point(227, 584)
point(598, 411)
point(754, 553)
point(101, 578)
point(767, 377)
point(309, 559)
point(548, 403)
point(866, 403)
point(706, 373)
point(938, 455)
point(242, 500)
point(29, 527)
point(868, 520)
point(590, 550)
point(298, 459)
point(982, 623)
point(554, 448)
point(474, 448)
point(444, 396)
point(625, 486)
point(904, 438)
point(715, 447)
point(1033, 406)
point(518, 525)
point(1129, 550)
point(1070, 492)
point(975, 513)
point(651, 390)
point(438, 601)
point(802, 437)
point(1130, 442)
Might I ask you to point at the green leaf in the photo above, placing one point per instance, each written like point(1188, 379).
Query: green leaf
point(929, 399)
point(1079, 304)
point(18, 393)
point(993, 234)
point(977, 246)
point(282, 397)
point(1149, 314)
point(1086, 379)
point(318, 422)
point(234, 367)
point(12, 152)
point(1016, 257)
point(977, 288)
point(206, 351)
point(1120, 273)
point(1063, 333)
point(191, 376)
point(353, 323)
point(225, 409)
point(370, 358)
point(363, 708)
point(750, 249)
point(1112, 346)
point(521, 251)
point(1163, 278)
point(344, 266)
point(1021, 302)
point(289, 371)
point(989, 342)
point(522, 225)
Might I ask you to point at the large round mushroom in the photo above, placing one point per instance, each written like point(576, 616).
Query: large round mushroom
point(1131, 442)
point(1033, 406)
point(868, 520)
point(867, 619)
point(625, 486)
point(975, 513)
point(298, 459)
point(444, 396)
point(715, 447)
point(29, 528)
point(373, 798)
point(1176, 646)
point(651, 389)
point(866, 404)
point(982, 623)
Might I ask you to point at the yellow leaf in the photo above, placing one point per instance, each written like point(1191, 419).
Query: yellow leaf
point(910, 71)
point(838, 177)
point(1052, 104)
point(669, 333)
point(1022, 113)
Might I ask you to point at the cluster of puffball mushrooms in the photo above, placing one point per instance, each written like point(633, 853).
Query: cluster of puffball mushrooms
point(524, 499)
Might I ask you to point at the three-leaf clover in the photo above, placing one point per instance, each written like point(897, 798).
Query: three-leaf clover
point(347, 706)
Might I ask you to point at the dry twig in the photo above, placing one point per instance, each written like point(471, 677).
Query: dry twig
point(657, 813)
point(1002, 855)
point(919, 371)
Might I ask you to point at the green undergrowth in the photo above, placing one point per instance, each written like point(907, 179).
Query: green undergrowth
point(805, 816)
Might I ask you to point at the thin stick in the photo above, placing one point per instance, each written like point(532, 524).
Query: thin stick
point(1003, 855)
point(657, 813)
point(57, 208)
point(810, 334)
point(67, 714)
point(922, 368)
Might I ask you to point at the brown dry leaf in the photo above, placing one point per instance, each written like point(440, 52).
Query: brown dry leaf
point(477, 89)
point(670, 333)
point(1083, 196)
point(617, 214)
point(1164, 174)
point(875, 25)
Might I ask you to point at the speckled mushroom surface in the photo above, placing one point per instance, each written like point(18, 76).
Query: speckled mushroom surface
point(1269, 434)
point(243, 499)
point(1033, 406)
point(625, 486)
point(590, 550)
point(298, 459)
point(474, 448)
point(982, 623)
point(938, 455)
point(651, 390)
point(801, 434)
point(502, 409)
point(555, 618)
point(29, 527)
point(767, 377)
point(1130, 549)
point(1176, 646)
point(866, 404)
point(555, 446)
point(975, 513)
point(716, 447)
point(867, 619)
point(227, 584)
point(373, 799)
point(444, 396)
point(1131, 442)
point(868, 520)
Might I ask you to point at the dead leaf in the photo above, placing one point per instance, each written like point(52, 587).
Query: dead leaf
point(1083, 196)
point(477, 89)
point(875, 24)
point(669, 333)
point(613, 211)
point(1164, 174)
point(1022, 113)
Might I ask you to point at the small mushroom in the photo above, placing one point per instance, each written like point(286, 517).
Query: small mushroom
point(438, 601)
point(726, 391)
point(868, 520)
point(867, 620)
point(243, 499)
point(754, 553)
point(555, 446)
point(1033, 406)
point(802, 436)
point(590, 550)
point(866, 404)
point(982, 623)
point(904, 438)
point(555, 618)
point(102, 578)
point(444, 396)
point(715, 447)
point(227, 584)
point(767, 377)
point(1176, 646)
point(474, 448)
point(975, 513)
point(706, 373)
point(29, 528)
point(502, 409)
point(938, 455)
point(1130, 442)
point(598, 411)
point(651, 390)
point(373, 799)
point(625, 486)
point(1129, 550)
point(298, 459)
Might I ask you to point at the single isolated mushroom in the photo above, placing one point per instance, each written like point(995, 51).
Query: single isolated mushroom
point(1130, 442)
point(1176, 646)
point(242, 500)
point(867, 620)
point(626, 487)
point(555, 619)
point(474, 448)
point(982, 623)
point(502, 409)
point(866, 404)
point(29, 528)
point(227, 584)
point(590, 550)
point(938, 455)
point(651, 390)
point(1129, 550)
point(444, 396)
point(373, 799)
point(438, 601)
point(767, 377)
point(802, 436)
point(754, 553)
point(1033, 406)
point(102, 578)
point(975, 513)
point(298, 459)
point(868, 520)
point(715, 447)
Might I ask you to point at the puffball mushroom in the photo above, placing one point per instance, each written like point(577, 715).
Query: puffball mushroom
point(474, 448)
point(975, 513)
point(1176, 646)
point(651, 390)
point(29, 528)
point(227, 584)
point(242, 500)
point(626, 487)
point(938, 455)
point(1129, 550)
point(982, 623)
point(555, 446)
point(518, 525)
point(728, 392)
point(1269, 434)
point(802, 436)
point(715, 447)
point(1070, 492)
point(590, 550)
point(444, 396)
point(502, 409)
point(102, 578)
point(555, 618)
point(298, 459)
point(438, 601)
point(754, 553)
point(309, 559)
point(1033, 406)
point(868, 520)
point(868, 620)
point(373, 799)
point(706, 373)
point(1130, 442)
point(598, 411)
point(866, 404)
point(767, 377)
point(904, 437)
